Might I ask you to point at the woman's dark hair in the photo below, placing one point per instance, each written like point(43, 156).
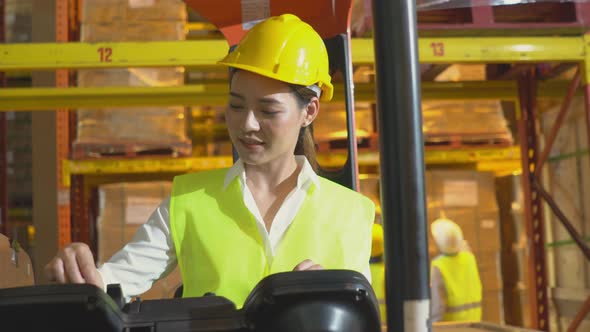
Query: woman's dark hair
point(305, 142)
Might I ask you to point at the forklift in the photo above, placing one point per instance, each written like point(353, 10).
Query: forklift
point(296, 301)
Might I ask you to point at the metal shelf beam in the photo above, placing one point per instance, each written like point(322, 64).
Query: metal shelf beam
point(77, 55)
point(198, 53)
point(181, 165)
point(26, 99)
point(147, 165)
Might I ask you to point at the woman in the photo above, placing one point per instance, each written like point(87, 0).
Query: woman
point(229, 228)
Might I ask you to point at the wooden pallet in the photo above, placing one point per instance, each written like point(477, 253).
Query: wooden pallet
point(566, 16)
point(85, 150)
point(431, 142)
point(460, 141)
point(367, 143)
point(455, 17)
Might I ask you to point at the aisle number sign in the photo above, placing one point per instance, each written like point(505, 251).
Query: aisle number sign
point(438, 48)
point(106, 54)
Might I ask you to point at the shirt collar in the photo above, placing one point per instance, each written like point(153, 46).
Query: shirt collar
point(306, 176)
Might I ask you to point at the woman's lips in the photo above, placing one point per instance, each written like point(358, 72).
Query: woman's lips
point(250, 143)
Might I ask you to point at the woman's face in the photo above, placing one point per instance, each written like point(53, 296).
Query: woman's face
point(264, 118)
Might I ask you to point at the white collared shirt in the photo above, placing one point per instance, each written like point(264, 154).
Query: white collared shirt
point(151, 255)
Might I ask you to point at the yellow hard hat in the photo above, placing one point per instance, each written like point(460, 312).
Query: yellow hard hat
point(447, 236)
point(287, 49)
point(377, 244)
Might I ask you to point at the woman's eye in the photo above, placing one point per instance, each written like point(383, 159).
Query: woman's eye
point(270, 113)
point(236, 107)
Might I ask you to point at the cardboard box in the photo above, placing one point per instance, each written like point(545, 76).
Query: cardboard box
point(133, 10)
point(133, 31)
point(463, 72)
point(489, 231)
point(140, 124)
point(151, 126)
point(467, 198)
point(464, 121)
point(462, 189)
point(18, 20)
point(522, 264)
point(516, 307)
point(137, 77)
point(15, 267)
point(136, 129)
point(490, 271)
point(123, 207)
point(330, 124)
point(493, 307)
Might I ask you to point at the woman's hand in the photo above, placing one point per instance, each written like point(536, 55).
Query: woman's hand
point(307, 265)
point(74, 264)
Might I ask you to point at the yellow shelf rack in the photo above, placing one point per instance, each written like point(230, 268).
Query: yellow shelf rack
point(205, 53)
point(510, 156)
point(199, 53)
point(26, 99)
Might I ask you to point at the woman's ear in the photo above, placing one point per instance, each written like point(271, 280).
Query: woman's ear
point(311, 111)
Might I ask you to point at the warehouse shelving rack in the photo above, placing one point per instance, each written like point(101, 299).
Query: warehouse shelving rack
point(81, 55)
point(62, 56)
point(3, 139)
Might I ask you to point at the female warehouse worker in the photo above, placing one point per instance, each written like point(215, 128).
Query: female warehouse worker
point(229, 228)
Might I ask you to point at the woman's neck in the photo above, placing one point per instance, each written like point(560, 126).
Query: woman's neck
point(270, 176)
point(270, 184)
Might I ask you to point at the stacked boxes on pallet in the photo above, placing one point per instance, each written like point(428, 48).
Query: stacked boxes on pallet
point(18, 20)
point(568, 182)
point(19, 177)
point(464, 123)
point(132, 131)
point(123, 208)
point(16, 267)
point(446, 124)
point(209, 132)
point(515, 248)
point(471, 17)
point(18, 155)
point(329, 128)
point(469, 199)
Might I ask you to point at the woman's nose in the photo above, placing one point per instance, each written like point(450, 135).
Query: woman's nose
point(250, 122)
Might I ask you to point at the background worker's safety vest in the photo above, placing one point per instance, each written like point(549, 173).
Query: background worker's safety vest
point(463, 286)
point(378, 283)
point(220, 249)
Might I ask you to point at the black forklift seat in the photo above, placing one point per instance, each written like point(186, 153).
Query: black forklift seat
point(310, 301)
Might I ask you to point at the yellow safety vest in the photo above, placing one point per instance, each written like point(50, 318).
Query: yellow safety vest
point(219, 247)
point(378, 283)
point(463, 286)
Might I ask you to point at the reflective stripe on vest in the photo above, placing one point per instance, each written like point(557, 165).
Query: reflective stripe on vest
point(464, 307)
point(219, 247)
point(462, 285)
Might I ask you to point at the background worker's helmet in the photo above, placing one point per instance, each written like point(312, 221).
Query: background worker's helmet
point(377, 244)
point(287, 49)
point(447, 236)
